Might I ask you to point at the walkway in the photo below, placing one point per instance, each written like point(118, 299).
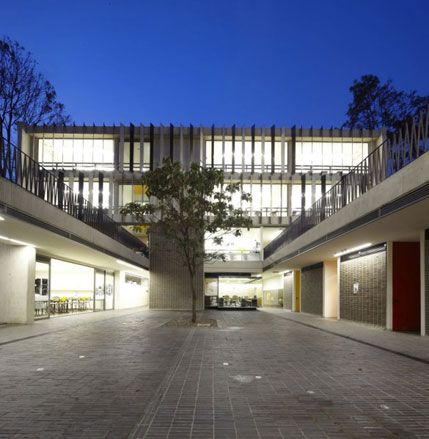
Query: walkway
point(409, 344)
point(256, 376)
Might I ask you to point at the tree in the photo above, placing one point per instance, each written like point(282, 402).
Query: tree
point(186, 206)
point(376, 105)
point(25, 95)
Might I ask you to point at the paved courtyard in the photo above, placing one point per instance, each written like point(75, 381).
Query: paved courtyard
point(255, 376)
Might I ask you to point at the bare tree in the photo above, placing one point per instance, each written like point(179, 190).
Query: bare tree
point(25, 94)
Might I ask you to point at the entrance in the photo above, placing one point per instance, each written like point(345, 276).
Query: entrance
point(42, 289)
point(233, 292)
point(103, 291)
point(406, 286)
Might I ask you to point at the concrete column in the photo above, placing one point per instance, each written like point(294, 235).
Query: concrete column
point(424, 282)
point(17, 274)
point(330, 289)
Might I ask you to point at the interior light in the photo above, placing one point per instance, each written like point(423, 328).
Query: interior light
point(1, 218)
point(16, 241)
point(351, 250)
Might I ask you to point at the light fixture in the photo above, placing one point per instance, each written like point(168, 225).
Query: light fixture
point(1, 218)
point(16, 241)
point(134, 267)
point(351, 250)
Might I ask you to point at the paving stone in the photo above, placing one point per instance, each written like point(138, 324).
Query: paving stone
point(145, 380)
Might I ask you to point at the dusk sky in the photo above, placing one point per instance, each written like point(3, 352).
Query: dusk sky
point(222, 62)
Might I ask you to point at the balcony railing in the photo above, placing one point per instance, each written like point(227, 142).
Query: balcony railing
point(20, 169)
point(397, 151)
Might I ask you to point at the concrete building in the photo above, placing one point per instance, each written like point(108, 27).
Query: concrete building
point(314, 193)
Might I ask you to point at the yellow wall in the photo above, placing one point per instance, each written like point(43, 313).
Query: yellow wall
point(297, 275)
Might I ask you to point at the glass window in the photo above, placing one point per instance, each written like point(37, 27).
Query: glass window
point(238, 156)
point(228, 155)
point(330, 156)
point(248, 156)
point(79, 153)
point(218, 154)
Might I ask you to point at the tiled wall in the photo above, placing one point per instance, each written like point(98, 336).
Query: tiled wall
point(427, 281)
point(169, 281)
point(368, 305)
point(287, 291)
point(312, 289)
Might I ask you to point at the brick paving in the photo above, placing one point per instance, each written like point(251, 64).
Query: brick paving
point(256, 376)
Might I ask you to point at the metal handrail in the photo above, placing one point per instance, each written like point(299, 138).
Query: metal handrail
point(395, 152)
point(20, 169)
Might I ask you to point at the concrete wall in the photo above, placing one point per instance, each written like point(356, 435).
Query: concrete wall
point(17, 271)
point(312, 289)
point(288, 295)
point(170, 287)
point(28, 204)
point(128, 295)
point(369, 275)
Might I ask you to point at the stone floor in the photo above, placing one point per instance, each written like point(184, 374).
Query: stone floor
point(255, 376)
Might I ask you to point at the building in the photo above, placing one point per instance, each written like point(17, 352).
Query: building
point(286, 170)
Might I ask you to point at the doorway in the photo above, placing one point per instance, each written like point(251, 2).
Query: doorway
point(406, 286)
point(42, 290)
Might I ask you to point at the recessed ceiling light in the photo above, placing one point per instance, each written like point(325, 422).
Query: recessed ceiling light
point(351, 250)
point(128, 265)
point(16, 241)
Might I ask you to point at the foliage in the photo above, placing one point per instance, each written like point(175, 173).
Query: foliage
point(376, 104)
point(25, 95)
point(187, 205)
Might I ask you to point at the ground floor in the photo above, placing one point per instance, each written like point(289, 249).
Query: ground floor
point(380, 284)
point(36, 286)
point(257, 375)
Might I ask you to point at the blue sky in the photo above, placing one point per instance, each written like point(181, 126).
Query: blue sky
point(223, 62)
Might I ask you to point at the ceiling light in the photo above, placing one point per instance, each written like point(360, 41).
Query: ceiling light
point(1, 218)
point(128, 265)
point(16, 241)
point(351, 250)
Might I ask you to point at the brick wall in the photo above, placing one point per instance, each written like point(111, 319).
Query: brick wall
point(169, 279)
point(287, 291)
point(368, 305)
point(426, 265)
point(312, 289)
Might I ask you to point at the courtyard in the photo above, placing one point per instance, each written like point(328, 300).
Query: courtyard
point(124, 374)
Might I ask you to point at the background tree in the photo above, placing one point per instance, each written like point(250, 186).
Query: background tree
point(376, 104)
point(187, 206)
point(25, 95)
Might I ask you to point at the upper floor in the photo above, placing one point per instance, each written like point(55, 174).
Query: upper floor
point(275, 150)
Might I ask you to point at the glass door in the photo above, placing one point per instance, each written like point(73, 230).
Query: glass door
point(99, 291)
point(42, 289)
point(109, 290)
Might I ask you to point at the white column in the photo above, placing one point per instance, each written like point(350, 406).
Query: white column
point(17, 274)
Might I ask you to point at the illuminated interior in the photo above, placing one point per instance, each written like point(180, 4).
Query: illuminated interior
point(77, 153)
